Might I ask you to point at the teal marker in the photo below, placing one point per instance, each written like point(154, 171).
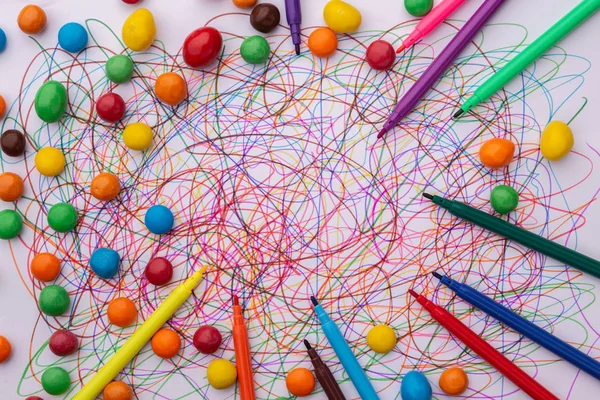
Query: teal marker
point(534, 51)
point(342, 350)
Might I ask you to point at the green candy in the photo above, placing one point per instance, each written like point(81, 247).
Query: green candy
point(51, 101)
point(55, 381)
point(62, 217)
point(418, 8)
point(255, 50)
point(10, 224)
point(54, 300)
point(504, 199)
point(119, 68)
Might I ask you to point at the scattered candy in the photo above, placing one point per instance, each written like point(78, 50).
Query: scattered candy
point(11, 186)
point(34, 398)
point(63, 343)
point(341, 17)
point(62, 217)
point(12, 143)
point(110, 107)
point(322, 42)
point(117, 390)
point(159, 219)
point(73, 37)
point(300, 382)
point(159, 271)
point(255, 50)
point(2, 106)
point(139, 30)
point(45, 267)
point(122, 312)
point(221, 373)
point(131, 1)
point(418, 8)
point(105, 262)
point(381, 339)
point(381, 55)
point(54, 300)
point(50, 161)
point(5, 349)
point(496, 153)
point(454, 381)
point(166, 343)
point(207, 339)
point(51, 101)
point(170, 88)
point(244, 3)
point(10, 224)
point(265, 17)
point(32, 19)
point(504, 199)
point(2, 45)
point(415, 386)
point(137, 136)
point(202, 47)
point(556, 141)
point(119, 68)
point(105, 186)
point(55, 381)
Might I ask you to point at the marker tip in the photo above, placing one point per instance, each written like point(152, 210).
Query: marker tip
point(307, 344)
point(428, 196)
point(458, 113)
point(314, 301)
point(439, 276)
point(413, 293)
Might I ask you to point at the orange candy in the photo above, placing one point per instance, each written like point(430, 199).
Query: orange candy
point(32, 19)
point(454, 381)
point(166, 343)
point(2, 106)
point(105, 186)
point(122, 312)
point(11, 186)
point(5, 349)
point(117, 390)
point(322, 42)
point(300, 382)
point(497, 153)
point(45, 267)
point(170, 88)
point(244, 3)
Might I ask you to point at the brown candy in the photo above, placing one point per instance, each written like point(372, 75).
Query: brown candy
point(264, 17)
point(12, 143)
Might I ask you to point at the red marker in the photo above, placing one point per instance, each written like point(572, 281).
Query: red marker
point(243, 362)
point(485, 351)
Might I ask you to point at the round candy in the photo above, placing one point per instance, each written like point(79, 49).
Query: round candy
point(54, 300)
point(45, 267)
point(50, 161)
point(221, 373)
point(110, 107)
point(73, 37)
point(139, 30)
point(121, 312)
point(11, 186)
point(418, 8)
point(202, 47)
point(159, 219)
point(63, 343)
point(504, 199)
point(496, 153)
point(5, 349)
point(105, 262)
point(166, 343)
point(2, 45)
point(415, 386)
point(117, 390)
point(556, 141)
point(207, 339)
point(255, 50)
point(137, 136)
point(381, 339)
point(32, 19)
point(244, 3)
point(265, 17)
point(62, 217)
point(381, 55)
point(55, 381)
point(51, 101)
point(105, 186)
point(322, 42)
point(159, 271)
point(131, 1)
point(119, 68)
point(454, 381)
point(341, 17)
point(170, 88)
point(34, 398)
point(2, 103)
point(12, 143)
point(10, 224)
point(300, 382)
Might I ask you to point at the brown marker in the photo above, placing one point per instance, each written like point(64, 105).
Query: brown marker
point(324, 375)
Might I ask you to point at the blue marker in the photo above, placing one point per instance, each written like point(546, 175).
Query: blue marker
point(523, 326)
point(342, 350)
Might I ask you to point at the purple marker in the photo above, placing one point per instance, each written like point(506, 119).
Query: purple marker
point(440, 64)
point(294, 19)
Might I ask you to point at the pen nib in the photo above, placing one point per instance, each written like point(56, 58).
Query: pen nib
point(307, 344)
point(297, 49)
point(413, 293)
point(428, 196)
point(314, 301)
point(236, 300)
point(401, 49)
point(439, 276)
point(458, 113)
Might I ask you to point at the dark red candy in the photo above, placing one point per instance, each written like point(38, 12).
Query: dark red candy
point(207, 339)
point(264, 17)
point(202, 47)
point(159, 271)
point(63, 343)
point(110, 107)
point(12, 143)
point(381, 55)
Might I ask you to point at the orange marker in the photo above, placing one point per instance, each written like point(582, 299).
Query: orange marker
point(242, 353)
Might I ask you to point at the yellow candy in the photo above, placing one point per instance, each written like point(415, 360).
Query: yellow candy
point(139, 30)
point(137, 136)
point(50, 161)
point(341, 17)
point(557, 141)
point(221, 373)
point(381, 339)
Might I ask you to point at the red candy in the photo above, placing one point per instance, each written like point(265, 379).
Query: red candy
point(110, 107)
point(34, 398)
point(207, 339)
point(63, 343)
point(131, 1)
point(202, 47)
point(381, 55)
point(159, 271)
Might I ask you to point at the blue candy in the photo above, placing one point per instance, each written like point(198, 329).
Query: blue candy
point(105, 262)
point(2, 40)
point(159, 219)
point(415, 386)
point(73, 37)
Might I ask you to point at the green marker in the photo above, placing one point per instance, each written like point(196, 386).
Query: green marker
point(519, 235)
point(534, 51)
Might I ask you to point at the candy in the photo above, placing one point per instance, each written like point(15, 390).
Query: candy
point(117, 390)
point(244, 3)
point(202, 47)
point(119, 68)
point(381, 339)
point(63, 343)
point(207, 339)
point(265, 17)
point(159, 271)
point(105, 262)
point(121, 312)
point(159, 219)
point(73, 37)
point(54, 300)
point(221, 373)
point(496, 153)
point(139, 30)
point(62, 217)
point(255, 50)
point(5, 349)
point(2, 45)
point(341, 17)
point(105, 186)
point(415, 386)
point(166, 343)
point(2, 106)
point(556, 141)
point(32, 19)
point(300, 382)
point(381, 55)
point(10, 224)
point(504, 199)
point(322, 42)
point(418, 8)
point(34, 398)
point(49, 161)
point(454, 381)
point(11, 186)
point(51, 101)
point(131, 1)
point(110, 107)
point(12, 143)
point(170, 88)
point(55, 381)
point(45, 267)
point(137, 136)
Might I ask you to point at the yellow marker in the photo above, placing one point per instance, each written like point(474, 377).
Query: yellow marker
point(139, 339)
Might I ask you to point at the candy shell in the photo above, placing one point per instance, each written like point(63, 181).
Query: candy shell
point(170, 88)
point(496, 153)
point(381, 339)
point(105, 186)
point(504, 199)
point(265, 17)
point(244, 3)
point(62, 217)
point(415, 386)
point(202, 47)
point(341, 17)
point(11, 186)
point(34, 398)
point(5, 349)
point(32, 19)
point(381, 55)
point(45, 267)
point(105, 262)
point(56, 381)
point(2, 106)
point(63, 343)
point(2, 44)
point(207, 339)
point(49, 161)
point(137, 136)
point(556, 141)
point(117, 390)
point(159, 219)
point(110, 107)
point(10, 224)
point(255, 50)
point(12, 143)
point(322, 42)
point(73, 37)
point(119, 68)
point(139, 30)
point(159, 271)
point(300, 382)
point(166, 343)
point(122, 312)
point(54, 300)
point(418, 8)
point(51, 101)
point(454, 381)
point(221, 373)
point(131, 1)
